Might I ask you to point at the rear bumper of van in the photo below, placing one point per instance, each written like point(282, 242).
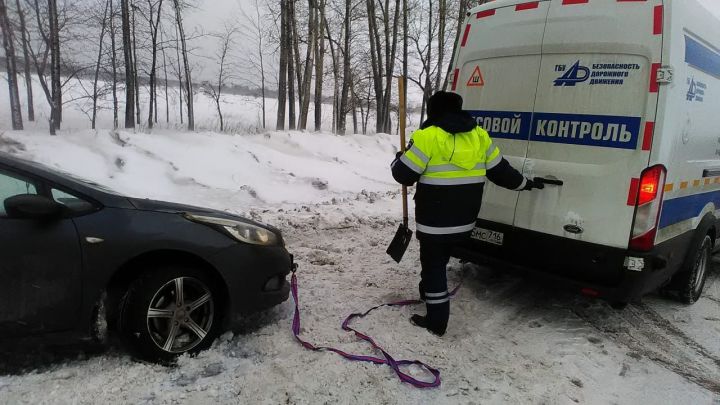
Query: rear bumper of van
point(588, 268)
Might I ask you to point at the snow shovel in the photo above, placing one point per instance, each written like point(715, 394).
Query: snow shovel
point(403, 236)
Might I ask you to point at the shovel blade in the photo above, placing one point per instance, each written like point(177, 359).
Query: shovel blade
point(400, 243)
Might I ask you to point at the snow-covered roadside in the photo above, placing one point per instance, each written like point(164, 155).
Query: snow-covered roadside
point(510, 341)
point(236, 173)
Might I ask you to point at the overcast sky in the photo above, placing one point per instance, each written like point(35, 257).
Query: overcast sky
point(211, 15)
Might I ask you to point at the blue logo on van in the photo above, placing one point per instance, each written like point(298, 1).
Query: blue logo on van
point(696, 92)
point(605, 74)
point(576, 74)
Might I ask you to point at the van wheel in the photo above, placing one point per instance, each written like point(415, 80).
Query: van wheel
point(690, 281)
point(170, 311)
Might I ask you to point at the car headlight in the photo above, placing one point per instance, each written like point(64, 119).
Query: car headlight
point(242, 231)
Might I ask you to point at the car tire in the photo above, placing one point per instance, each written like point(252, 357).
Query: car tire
point(170, 311)
point(688, 284)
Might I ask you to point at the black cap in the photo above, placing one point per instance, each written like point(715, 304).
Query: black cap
point(442, 103)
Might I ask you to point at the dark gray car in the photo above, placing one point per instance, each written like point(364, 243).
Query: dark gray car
point(168, 278)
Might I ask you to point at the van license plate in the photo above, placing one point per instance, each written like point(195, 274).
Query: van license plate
point(486, 235)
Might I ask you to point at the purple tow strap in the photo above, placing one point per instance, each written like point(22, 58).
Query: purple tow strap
point(388, 359)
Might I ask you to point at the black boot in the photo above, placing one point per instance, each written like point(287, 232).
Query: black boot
point(433, 327)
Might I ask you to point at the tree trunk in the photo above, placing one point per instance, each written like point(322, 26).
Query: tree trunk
point(336, 74)
point(405, 49)
point(55, 85)
point(291, 66)
point(390, 61)
point(309, 60)
point(28, 73)
point(154, 25)
point(262, 65)
point(11, 65)
point(353, 105)
point(442, 17)
point(319, 63)
point(186, 63)
point(428, 60)
point(298, 67)
point(97, 66)
point(135, 69)
point(167, 99)
point(458, 31)
point(342, 117)
point(282, 77)
point(129, 65)
point(377, 65)
point(114, 64)
point(179, 72)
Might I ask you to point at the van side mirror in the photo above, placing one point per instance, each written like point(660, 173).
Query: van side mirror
point(32, 206)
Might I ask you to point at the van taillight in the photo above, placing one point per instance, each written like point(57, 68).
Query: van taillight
point(647, 208)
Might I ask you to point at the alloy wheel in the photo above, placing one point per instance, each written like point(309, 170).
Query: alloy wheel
point(180, 314)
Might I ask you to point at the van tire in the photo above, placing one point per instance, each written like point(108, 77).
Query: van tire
point(690, 281)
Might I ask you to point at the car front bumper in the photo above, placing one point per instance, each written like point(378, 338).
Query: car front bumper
point(256, 279)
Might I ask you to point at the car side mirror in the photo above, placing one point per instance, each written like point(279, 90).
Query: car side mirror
point(32, 206)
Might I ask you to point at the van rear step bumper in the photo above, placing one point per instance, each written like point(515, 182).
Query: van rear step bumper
point(591, 269)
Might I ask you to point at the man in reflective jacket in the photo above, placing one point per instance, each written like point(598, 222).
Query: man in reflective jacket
point(449, 158)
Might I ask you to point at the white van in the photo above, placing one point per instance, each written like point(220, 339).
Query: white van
point(615, 105)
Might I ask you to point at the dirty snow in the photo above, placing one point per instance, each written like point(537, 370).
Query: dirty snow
point(509, 340)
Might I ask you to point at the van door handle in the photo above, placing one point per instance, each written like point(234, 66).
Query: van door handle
point(552, 182)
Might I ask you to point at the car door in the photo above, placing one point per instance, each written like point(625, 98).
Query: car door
point(40, 267)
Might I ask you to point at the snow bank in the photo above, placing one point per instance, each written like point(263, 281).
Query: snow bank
point(239, 172)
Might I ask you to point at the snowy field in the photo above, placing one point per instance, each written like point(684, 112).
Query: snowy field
point(509, 340)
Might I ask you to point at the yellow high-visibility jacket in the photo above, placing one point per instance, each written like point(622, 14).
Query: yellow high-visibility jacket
point(450, 159)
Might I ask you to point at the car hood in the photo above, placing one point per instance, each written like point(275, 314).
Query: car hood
point(177, 208)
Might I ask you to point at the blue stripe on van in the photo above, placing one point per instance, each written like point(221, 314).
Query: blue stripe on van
point(702, 57)
point(575, 129)
point(688, 207)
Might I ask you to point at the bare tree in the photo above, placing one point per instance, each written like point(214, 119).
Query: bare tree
point(56, 86)
point(347, 34)
point(186, 65)
point(103, 26)
point(9, 47)
point(129, 66)
point(226, 41)
point(462, 10)
point(308, 66)
point(254, 32)
point(26, 59)
point(113, 62)
point(133, 9)
point(153, 18)
point(319, 62)
point(291, 37)
point(283, 71)
point(442, 21)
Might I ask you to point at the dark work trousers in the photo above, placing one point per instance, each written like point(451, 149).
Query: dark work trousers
point(434, 257)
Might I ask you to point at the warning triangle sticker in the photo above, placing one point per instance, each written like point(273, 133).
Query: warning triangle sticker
point(476, 80)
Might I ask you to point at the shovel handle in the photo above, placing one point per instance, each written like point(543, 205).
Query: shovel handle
point(403, 124)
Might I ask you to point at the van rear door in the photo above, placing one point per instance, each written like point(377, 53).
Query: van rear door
point(591, 129)
point(496, 72)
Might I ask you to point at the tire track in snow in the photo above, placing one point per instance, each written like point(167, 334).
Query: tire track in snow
point(645, 332)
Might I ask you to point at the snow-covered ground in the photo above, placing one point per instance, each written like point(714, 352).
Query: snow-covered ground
point(509, 341)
